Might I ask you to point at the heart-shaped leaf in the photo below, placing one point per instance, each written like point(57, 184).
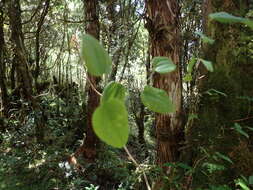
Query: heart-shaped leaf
point(95, 57)
point(163, 65)
point(157, 100)
point(110, 123)
point(113, 91)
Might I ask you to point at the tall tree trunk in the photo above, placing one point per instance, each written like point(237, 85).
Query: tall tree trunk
point(22, 70)
point(92, 27)
point(37, 41)
point(232, 76)
point(17, 38)
point(162, 24)
point(3, 88)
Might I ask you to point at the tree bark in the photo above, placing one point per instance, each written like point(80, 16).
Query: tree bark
point(92, 27)
point(162, 24)
point(37, 41)
point(17, 38)
point(3, 88)
point(21, 65)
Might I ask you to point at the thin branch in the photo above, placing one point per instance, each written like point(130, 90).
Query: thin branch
point(243, 119)
point(35, 12)
point(137, 165)
point(92, 86)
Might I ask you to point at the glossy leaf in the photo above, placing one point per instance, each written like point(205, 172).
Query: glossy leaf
point(110, 123)
point(163, 65)
point(205, 38)
point(95, 57)
point(113, 91)
point(156, 60)
point(207, 64)
point(156, 100)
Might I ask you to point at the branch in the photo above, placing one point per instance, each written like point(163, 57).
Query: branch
point(137, 165)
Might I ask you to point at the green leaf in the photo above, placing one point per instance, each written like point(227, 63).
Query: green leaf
point(205, 38)
point(222, 156)
point(192, 116)
point(191, 64)
point(187, 77)
point(242, 184)
point(248, 22)
point(113, 90)
point(224, 17)
point(184, 166)
point(95, 57)
point(207, 64)
point(110, 123)
point(238, 128)
point(157, 100)
point(213, 91)
point(156, 60)
point(163, 65)
point(251, 180)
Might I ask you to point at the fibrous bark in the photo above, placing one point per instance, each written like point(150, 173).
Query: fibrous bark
point(162, 23)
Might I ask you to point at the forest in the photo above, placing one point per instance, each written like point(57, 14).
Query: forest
point(126, 95)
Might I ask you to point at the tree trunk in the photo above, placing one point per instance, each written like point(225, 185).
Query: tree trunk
point(37, 41)
point(92, 27)
point(22, 70)
point(3, 88)
point(162, 24)
point(17, 38)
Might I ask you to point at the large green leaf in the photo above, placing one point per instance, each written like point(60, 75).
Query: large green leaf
point(163, 65)
point(95, 57)
point(207, 64)
point(110, 123)
point(113, 91)
point(156, 100)
point(224, 17)
point(205, 38)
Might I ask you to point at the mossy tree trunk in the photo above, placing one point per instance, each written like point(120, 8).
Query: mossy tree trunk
point(233, 77)
point(21, 66)
point(17, 37)
point(3, 88)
